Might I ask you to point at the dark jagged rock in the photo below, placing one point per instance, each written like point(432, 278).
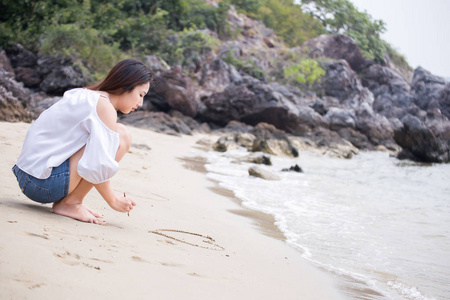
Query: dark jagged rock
point(427, 87)
point(11, 109)
point(216, 76)
point(256, 158)
point(340, 81)
point(383, 80)
point(420, 141)
point(251, 102)
point(29, 76)
point(157, 121)
point(5, 63)
point(174, 89)
point(341, 118)
point(62, 78)
point(295, 168)
point(444, 100)
point(193, 124)
point(338, 46)
point(21, 57)
point(17, 89)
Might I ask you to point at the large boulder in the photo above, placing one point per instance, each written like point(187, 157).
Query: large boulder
point(174, 90)
point(11, 109)
point(263, 174)
point(59, 75)
point(216, 76)
point(29, 76)
point(251, 102)
point(383, 80)
point(426, 88)
point(341, 82)
point(443, 97)
point(338, 46)
point(21, 57)
point(418, 139)
point(17, 89)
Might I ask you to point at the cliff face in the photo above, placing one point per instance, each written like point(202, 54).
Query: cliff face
point(357, 101)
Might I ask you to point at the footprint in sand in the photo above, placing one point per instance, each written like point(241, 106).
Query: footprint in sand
point(42, 236)
point(68, 258)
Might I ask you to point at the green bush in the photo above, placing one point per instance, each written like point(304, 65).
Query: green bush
point(81, 45)
point(288, 21)
point(250, 7)
point(187, 47)
point(341, 16)
point(305, 73)
point(245, 65)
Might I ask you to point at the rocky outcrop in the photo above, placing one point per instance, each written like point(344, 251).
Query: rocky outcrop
point(11, 109)
point(13, 99)
point(173, 90)
point(59, 75)
point(49, 74)
point(261, 138)
point(338, 46)
point(216, 76)
point(357, 104)
point(172, 123)
point(419, 141)
point(427, 89)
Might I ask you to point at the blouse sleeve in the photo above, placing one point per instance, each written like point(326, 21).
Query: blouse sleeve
point(98, 163)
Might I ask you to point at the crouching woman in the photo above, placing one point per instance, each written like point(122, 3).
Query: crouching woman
point(76, 144)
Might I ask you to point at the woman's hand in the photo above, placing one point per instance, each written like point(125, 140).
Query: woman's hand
point(123, 204)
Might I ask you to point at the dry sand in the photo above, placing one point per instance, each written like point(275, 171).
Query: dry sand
point(47, 256)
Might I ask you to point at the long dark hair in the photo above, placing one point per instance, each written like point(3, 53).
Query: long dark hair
point(124, 77)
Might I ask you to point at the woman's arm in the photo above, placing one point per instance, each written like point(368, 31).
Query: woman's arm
point(121, 203)
point(108, 116)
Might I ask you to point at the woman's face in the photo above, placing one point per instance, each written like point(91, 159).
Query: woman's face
point(134, 99)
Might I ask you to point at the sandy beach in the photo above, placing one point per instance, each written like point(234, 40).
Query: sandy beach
point(47, 256)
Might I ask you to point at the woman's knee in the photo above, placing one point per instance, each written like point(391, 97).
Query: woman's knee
point(125, 140)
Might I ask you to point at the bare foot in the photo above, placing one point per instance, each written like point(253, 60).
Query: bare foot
point(76, 211)
point(96, 214)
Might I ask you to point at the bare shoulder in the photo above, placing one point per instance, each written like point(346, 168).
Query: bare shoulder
point(107, 113)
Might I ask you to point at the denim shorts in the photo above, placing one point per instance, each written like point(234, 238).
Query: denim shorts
point(49, 190)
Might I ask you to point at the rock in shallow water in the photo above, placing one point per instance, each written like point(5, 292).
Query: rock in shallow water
point(260, 173)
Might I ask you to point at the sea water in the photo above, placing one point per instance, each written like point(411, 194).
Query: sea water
point(380, 225)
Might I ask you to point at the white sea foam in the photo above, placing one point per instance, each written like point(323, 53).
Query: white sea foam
point(380, 221)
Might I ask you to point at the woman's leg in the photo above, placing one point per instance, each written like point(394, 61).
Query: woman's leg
point(72, 205)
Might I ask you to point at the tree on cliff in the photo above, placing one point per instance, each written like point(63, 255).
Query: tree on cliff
point(341, 16)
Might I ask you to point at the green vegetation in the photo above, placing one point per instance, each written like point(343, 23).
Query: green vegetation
point(341, 16)
point(398, 59)
point(97, 33)
point(305, 73)
point(245, 65)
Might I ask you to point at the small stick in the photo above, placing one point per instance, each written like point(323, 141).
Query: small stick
point(128, 213)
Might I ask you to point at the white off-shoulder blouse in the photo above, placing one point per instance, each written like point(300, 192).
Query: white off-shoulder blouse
point(62, 130)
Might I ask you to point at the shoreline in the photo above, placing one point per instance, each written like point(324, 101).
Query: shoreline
point(44, 255)
point(264, 222)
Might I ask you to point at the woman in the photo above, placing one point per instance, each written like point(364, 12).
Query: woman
point(77, 143)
